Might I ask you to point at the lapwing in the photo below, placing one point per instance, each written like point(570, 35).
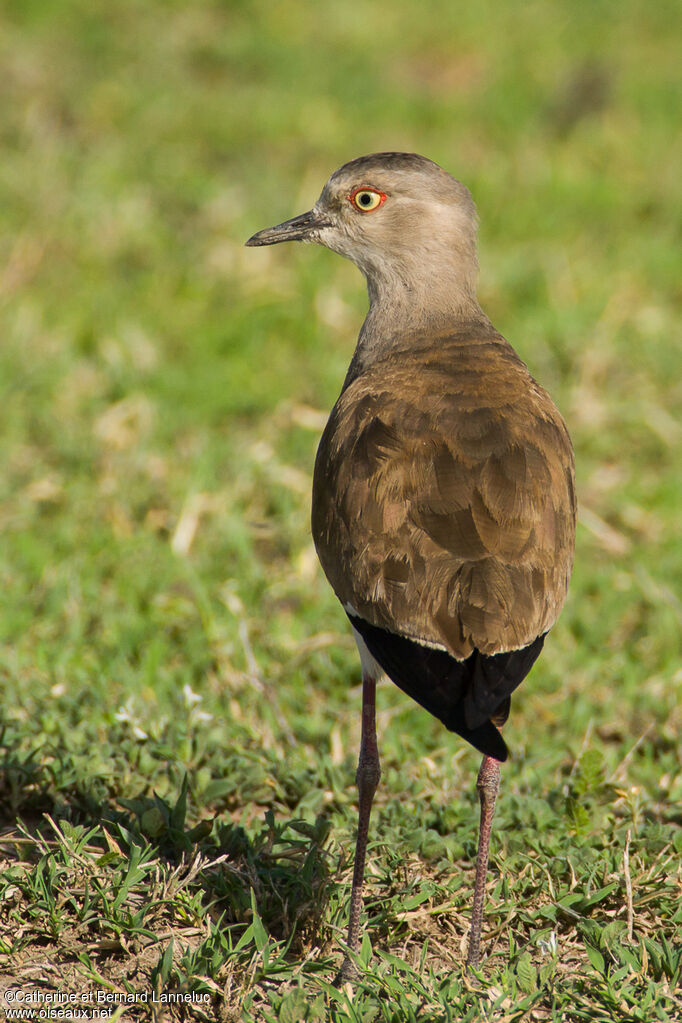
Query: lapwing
point(444, 502)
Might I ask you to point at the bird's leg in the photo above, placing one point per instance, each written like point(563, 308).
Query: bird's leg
point(488, 784)
point(367, 779)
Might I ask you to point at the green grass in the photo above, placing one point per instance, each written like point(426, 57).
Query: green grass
point(180, 695)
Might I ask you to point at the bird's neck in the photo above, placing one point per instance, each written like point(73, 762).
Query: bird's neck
point(398, 309)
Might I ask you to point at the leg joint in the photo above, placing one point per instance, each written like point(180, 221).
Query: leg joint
point(368, 773)
point(488, 780)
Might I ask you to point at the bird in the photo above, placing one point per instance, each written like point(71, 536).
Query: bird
point(443, 503)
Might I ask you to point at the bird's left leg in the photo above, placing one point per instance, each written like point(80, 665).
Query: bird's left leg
point(488, 785)
point(367, 779)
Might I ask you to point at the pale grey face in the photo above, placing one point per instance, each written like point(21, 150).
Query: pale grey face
point(383, 212)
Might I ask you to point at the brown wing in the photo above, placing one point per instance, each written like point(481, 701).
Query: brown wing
point(443, 497)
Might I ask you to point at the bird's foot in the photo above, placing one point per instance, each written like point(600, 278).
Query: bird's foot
point(348, 974)
point(473, 970)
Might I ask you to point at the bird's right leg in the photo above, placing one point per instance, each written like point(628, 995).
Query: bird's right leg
point(488, 785)
point(367, 778)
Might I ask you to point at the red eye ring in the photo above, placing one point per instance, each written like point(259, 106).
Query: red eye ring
point(367, 207)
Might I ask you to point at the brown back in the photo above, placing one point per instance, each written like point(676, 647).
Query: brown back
point(443, 497)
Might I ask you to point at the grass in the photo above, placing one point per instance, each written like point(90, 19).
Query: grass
point(180, 694)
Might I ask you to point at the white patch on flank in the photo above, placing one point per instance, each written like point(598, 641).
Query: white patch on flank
point(368, 662)
point(370, 667)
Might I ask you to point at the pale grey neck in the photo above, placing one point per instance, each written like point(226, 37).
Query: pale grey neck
point(397, 310)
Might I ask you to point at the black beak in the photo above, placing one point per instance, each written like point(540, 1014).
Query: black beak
point(297, 229)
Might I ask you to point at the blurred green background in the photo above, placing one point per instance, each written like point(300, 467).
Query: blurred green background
point(162, 393)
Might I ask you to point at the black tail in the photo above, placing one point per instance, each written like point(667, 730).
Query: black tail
point(464, 695)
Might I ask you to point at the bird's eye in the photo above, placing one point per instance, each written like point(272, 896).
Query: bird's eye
point(366, 199)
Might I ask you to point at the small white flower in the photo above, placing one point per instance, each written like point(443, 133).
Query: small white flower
point(126, 715)
point(548, 945)
point(190, 696)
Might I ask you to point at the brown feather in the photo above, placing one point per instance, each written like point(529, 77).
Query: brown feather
point(443, 495)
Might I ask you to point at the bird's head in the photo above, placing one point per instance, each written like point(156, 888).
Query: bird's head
point(403, 220)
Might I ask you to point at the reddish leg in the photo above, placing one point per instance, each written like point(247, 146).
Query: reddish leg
point(367, 779)
point(488, 784)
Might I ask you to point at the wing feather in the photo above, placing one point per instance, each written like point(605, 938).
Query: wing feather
point(443, 498)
